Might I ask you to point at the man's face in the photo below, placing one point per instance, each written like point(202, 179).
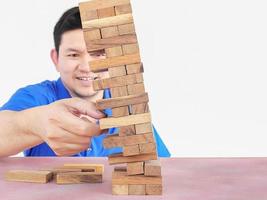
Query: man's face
point(72, 62)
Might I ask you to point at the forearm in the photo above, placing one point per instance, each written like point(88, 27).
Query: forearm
point(14, 132)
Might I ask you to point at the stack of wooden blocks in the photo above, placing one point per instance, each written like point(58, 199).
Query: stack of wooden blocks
point(108, 25)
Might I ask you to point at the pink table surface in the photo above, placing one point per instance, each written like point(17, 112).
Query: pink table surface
point(183, 178)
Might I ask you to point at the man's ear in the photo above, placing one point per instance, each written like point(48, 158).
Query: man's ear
point(54, 58)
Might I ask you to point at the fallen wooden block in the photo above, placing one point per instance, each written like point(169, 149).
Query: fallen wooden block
point(104, 64)
point(30, 176)
point(111, 122)
point(78, 177)
point(119, 158)
point(135, 168)
point(121, 101)
point(152, 168)
point(98, 168)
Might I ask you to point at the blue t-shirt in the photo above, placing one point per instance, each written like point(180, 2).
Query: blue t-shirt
point(50, 91)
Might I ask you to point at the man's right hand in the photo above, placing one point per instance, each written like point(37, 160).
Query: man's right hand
point(61, 126)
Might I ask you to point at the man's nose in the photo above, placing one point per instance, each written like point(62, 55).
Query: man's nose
point(84, 65)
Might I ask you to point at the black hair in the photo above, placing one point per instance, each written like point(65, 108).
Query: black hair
point(70, 20)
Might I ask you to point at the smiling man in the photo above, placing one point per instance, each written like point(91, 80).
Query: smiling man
point(59, 118)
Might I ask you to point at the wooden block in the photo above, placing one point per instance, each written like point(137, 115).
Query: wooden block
point(147, 148)
point(143, 128)
point(120, 81)
point(126, 29)
point(78, 177)
point(135, 168)
point(102, 104)
point(136, 88)
point(98, 4)
point(63, 170)
point(92, 35)
point(98, 168)
point(139, 108)
point(87, 15)
point(115, 140)
point(109, 32)
point(119, 158)
point(131, 150)
point(117, 71)
point(126, 130)
point(108, 21)
point(152, 168)
point(123, 9)
point(124, 121)
point(118, 91)
point(106, 12)
point(113, 52)
point(95, 45)
point(30, 176)
point(121, 178)
point(104, 64)
point(135, 68)
point(137, 189)
point(130, 49)
point(120, 169)
point(120, 189)
point(154, 189)
point(120, 111)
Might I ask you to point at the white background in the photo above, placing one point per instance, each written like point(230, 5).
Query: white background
point(205, 67)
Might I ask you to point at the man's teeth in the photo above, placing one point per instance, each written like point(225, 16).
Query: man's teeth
point(85, 79)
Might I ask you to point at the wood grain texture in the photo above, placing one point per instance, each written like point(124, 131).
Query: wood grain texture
point(137, 189)
point(139, 108)
point(119, 158)
point(117, 81)
point(121, 178)
point(118, 91)
point(120, 111)
point(100, 44)
point(87, 15)
point(113, 52)
point(152, 189)
point(130, 49)
point(106, 123)
point(123, 9)
point(143, 128)
point(104, 64)
point(92, 35)
point(127, 130)
point(99, 4)
point(117, 71)
point(135, 68)
point(109, 32)
point(131, 150)
point(106, 12)
point(126, 29)
point(98, 168)
point(107, 22)
point(152, 168)
point(30, 176)
point(135, 168)
point(147, 148)
point(120, 189)
point(136, 88)
point(121, 101)
point(78, 177)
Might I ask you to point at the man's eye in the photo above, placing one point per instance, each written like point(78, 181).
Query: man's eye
point(74, 55)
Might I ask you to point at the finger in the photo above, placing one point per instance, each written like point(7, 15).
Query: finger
point(65, 149)
point(84, 107)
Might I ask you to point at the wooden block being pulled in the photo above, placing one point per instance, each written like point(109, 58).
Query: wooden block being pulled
point(137, 189)
point(119, 158)
point(113, 52)
point(121, 101)
point(121, 178)
point(135, 68)
point(120, 189)
point(123, 9)
point(152, 168)
point(126, 29)
point(136, 88)
point(104, 64)
point(98, 168)
point(139, 108)
point(120, 111)
point(109, 32)
point(108, 21)
point(152, 189)
point(147, 148)
point(130, 49)
point(118, 91)
point(78, 177)
point(106, 12)
point(143, 128)
point(115, 140)
point(100, 44)
point(111, 122)
point(92, 35)
point(99, 4)
point(30, 176)
point(126, 130)
point(135, 168)
point(117, 71)
point(131, 150)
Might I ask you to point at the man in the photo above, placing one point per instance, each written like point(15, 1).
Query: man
point(59, 118)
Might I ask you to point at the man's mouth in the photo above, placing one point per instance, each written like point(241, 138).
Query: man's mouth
point(86, 78)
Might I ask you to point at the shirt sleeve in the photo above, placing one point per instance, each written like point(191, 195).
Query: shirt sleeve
point(161, 147)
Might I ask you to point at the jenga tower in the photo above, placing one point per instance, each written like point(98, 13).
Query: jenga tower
point(108, 25)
